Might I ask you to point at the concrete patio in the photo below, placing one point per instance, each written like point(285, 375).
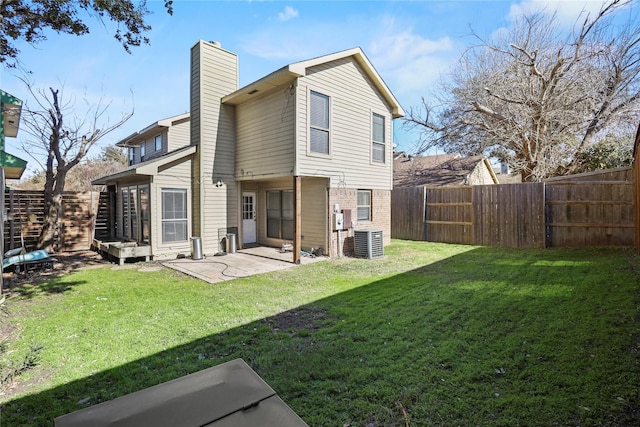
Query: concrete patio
point(243, 263)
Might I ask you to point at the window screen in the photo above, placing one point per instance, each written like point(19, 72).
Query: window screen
point(364, 205)
point(378, 144)
point(174, 215)
point(319, 123)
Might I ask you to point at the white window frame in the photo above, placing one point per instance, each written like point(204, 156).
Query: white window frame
point(158, 139)
point(132, 155)
point(375, 143)
point(360, 207)
point(312, 127)
point(182, 221)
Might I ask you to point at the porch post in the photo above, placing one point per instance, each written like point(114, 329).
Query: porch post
point(297, 217)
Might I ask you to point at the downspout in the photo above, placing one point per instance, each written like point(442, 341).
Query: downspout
point(297, 180)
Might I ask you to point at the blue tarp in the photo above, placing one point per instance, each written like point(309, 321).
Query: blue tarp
point(29, 257)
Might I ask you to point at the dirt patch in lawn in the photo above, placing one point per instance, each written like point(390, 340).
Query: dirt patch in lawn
point(307, 318)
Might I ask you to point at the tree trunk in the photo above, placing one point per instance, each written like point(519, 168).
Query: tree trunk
point(49, 232)
point(50, 237)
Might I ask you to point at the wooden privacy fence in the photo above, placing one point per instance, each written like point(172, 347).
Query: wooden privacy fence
point(83, 214)
point(594, 209)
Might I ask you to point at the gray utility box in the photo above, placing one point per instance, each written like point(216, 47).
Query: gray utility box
point(230, 394)
point(368, 243)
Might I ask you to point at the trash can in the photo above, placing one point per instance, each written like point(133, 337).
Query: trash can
point(231, 243)
point(196, 248)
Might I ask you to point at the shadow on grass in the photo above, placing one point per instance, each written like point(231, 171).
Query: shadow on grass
point(52, 286)
point(44, 281)
point(487, 337)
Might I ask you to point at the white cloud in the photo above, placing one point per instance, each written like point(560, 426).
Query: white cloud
point(410, 63)
point(288, 13)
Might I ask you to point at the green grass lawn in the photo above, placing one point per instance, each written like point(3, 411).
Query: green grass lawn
point(452, 335)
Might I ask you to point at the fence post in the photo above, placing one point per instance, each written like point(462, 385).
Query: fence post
point(548, 240)
point(425, 236)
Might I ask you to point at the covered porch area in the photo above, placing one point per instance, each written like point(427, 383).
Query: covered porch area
point(288, 213)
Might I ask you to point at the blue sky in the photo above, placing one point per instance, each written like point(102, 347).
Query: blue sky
point(409, 42)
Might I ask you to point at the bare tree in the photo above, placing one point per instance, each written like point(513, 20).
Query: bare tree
point(535, 98)
point(63, 144)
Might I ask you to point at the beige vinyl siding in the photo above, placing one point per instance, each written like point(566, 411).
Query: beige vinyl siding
point(177, 136)
point(214, 75)
point(265, 131)
point(174, 175)
point(353, 102)
point(314, 213)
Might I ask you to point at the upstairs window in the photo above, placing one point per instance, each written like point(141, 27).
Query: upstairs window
point(378, 146)
point(142, 152)
point(319, 123)
point(132, 155)
point(158, 142)
point(364, 205)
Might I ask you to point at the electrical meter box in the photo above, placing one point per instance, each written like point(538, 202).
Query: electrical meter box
point(338, 221)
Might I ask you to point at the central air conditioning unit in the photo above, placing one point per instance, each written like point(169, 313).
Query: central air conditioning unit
point(368, 243)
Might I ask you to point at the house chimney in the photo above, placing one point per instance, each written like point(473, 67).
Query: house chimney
point(214, 75)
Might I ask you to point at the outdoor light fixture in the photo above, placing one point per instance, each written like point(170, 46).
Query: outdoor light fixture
point(219, 183)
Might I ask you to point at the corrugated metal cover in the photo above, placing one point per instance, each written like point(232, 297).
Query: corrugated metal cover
point(230, 394)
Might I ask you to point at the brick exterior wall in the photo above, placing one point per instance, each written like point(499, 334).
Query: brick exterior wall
point(347, 198)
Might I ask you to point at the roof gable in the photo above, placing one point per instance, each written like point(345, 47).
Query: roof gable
point(299, 69)
point(148, 168)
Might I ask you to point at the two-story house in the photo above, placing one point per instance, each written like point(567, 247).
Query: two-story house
point(272, 161)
